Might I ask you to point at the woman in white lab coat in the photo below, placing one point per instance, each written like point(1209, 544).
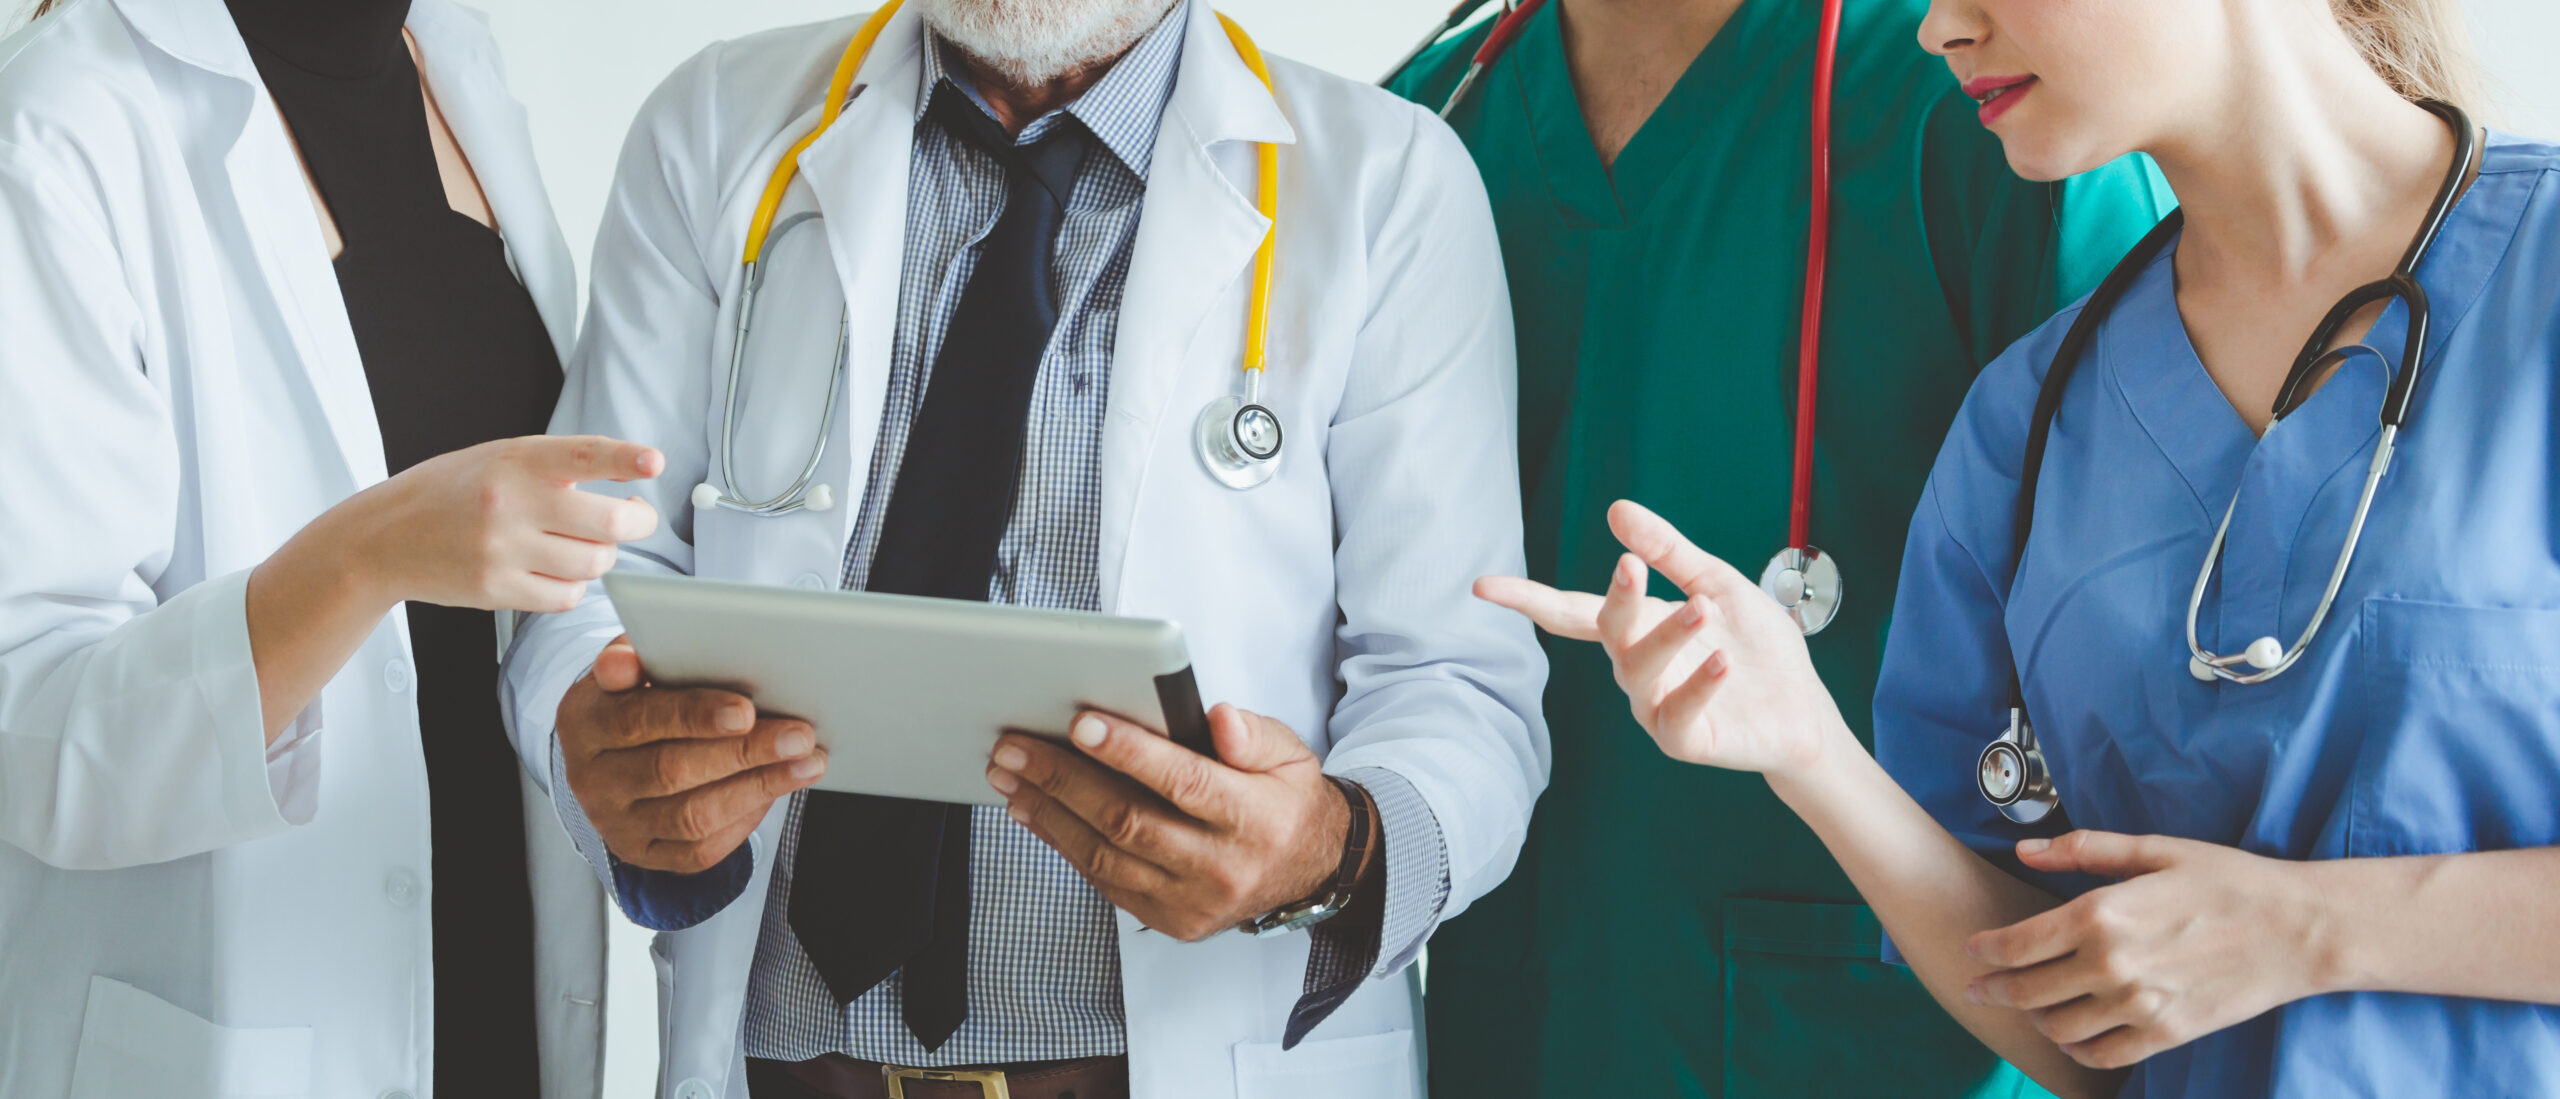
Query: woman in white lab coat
point(262, 362)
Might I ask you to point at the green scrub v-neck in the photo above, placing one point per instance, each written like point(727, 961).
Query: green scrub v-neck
point(1673, 930)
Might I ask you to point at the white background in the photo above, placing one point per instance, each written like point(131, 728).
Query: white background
point(583, 66)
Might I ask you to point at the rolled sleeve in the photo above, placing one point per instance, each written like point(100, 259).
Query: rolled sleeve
point(1416, 865)
point(293, 766)
point(1377, 939)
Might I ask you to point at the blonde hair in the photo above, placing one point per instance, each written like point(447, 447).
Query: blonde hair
point(2416, 45)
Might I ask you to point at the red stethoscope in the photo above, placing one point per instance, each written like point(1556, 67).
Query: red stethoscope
point(1804, 580)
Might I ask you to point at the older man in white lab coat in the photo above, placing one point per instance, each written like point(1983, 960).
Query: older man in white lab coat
point(1047, 211)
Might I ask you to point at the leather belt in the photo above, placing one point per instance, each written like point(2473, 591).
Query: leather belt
point(836, 1076)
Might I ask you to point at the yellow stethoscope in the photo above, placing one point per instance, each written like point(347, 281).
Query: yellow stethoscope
point(1238, 436)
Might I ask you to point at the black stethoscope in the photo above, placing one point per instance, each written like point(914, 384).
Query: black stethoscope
point(1804, 580)
point(2011, 772)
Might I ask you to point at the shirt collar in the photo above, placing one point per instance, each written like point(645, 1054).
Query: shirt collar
point(1123, 109)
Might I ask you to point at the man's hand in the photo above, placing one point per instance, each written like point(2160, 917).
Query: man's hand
point(1189, 845)
point(676, 780)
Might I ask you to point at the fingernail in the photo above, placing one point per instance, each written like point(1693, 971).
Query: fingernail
point(1002, 780)
point(736, 719)
point(1011, 758)
point(1089, 731)
point(1018, 813)
point(2033, 846)
point(795, 743)
point(1626, 573)
point(1693, 613)
point(809, 767)
point(1973, 992)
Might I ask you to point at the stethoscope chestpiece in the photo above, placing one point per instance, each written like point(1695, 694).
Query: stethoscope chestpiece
point(1805, 581)
point(1238, 441)
point(2011, 773)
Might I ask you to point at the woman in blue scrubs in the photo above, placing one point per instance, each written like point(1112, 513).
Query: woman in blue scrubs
point(2338, 880)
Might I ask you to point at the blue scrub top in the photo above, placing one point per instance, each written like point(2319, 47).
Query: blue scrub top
point(2424, 719)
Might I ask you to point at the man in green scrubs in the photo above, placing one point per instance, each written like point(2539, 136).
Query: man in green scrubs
point(1674, 930)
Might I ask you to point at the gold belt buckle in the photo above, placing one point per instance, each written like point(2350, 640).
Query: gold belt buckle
point(990, 1081)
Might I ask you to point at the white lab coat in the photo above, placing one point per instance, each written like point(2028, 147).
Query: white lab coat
point(1334, 598)
point(184, 911)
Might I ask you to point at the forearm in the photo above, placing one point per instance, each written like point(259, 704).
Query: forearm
point(310, 606)
point(2483, 924)
point(1930, 891)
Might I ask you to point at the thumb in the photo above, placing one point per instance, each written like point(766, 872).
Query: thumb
point(1248, 741)
point(2107, 854)
point(618, 666)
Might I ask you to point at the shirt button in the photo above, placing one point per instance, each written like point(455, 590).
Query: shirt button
point(395, 675)
point(809, 580)
point(693, 1089)
point(400, 887)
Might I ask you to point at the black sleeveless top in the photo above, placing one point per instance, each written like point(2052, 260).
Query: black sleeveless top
point(455, 356)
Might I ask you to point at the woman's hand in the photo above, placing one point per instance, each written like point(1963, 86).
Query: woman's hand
point(499, 526)
point(2196, 937)
point(1721, 679)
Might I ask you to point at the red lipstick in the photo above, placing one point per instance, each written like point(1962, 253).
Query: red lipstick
point(1997, 94)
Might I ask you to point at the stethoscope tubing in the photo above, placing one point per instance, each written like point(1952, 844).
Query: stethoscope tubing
point(1794, 569)
point(1247, 469)
point(796, 496)
point(2030, 805)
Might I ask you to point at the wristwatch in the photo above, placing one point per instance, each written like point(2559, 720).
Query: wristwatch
point(1346, 877)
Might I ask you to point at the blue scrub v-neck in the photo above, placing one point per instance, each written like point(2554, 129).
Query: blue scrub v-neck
point(2424, 718)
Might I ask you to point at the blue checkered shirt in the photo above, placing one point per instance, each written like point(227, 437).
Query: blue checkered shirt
point(1044, 964)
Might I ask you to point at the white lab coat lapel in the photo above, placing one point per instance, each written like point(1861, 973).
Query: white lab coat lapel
point(490, 126)
point(857, 173)
point(1194, 249)
point(275, 207)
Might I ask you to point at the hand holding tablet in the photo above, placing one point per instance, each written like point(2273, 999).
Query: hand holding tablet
point(907, 696)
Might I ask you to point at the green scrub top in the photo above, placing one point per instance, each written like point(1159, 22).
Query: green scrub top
point(1674, 930)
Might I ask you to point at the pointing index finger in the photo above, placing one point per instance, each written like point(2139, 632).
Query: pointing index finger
point(580, 458)
point(1568, 614)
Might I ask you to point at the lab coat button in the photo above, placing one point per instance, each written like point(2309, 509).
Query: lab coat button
point(400, 888)
point(693, 1089)
point(395, 675)
point(807, 580)
point(396, 1093)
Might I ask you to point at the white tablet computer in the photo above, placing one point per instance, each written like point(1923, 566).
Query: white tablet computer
point(908, 694)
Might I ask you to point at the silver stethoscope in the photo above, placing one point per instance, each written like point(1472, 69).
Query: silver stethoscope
point(1238, 436)
point(2011, 772)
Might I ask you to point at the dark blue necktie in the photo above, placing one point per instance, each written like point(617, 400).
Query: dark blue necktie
point(882, 884)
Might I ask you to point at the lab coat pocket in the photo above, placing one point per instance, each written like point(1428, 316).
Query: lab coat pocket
point(2461, 744)
point(1371, 1066)
point(1811, 1008)
point(133, 1043)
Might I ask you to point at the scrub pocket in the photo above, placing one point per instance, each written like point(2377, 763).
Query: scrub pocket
point(1810, 1009)
point(133, 1043)
point(2461, 745)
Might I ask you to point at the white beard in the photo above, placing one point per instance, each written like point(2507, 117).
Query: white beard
point(1033, 42)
